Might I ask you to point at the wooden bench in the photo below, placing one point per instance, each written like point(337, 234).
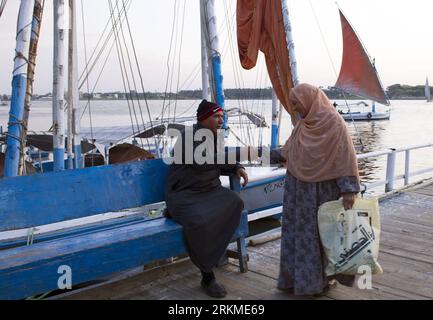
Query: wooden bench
point(97, 250)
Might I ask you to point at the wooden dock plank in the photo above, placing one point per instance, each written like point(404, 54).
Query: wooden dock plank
point(341, 292)
point(406, 256)
point(426, 192)
point(412, 199)
point(407, 227)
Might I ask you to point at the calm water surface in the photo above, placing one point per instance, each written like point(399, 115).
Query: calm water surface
point(411, 123)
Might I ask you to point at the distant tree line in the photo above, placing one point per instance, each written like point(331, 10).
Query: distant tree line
point(254, 94)
point(396, 91)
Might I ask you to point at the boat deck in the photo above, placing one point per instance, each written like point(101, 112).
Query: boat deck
point(406, 256)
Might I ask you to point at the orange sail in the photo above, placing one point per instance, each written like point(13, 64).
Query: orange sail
point(358, 75)
point(260, 26)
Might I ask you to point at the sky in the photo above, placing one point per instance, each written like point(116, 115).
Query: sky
point(396, 33)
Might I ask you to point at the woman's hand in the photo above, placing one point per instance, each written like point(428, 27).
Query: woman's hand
point(348, 200)
point(241, 173)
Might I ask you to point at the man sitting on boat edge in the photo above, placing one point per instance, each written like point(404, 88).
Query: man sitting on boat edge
point(208, 212)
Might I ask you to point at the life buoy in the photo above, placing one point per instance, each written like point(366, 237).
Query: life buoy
point(369, 115)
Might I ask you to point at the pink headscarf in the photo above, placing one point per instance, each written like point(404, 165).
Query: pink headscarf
point(320, 147)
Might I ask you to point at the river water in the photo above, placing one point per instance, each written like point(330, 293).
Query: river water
point(411, 124)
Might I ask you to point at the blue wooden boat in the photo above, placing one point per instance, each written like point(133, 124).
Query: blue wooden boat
point(91, 250)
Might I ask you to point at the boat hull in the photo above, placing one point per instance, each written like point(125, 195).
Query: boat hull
point(366, 116)
point(265, 189)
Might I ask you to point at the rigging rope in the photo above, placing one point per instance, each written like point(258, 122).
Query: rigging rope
point(196, 70)
point(179, 59)
point(171, 75)
point(189, 80)
point(168, 62)
point(132, 74)
point(99, 55)
point(108, 38)
point(127, 64)
point(98, 78)
point(239, 81)
point(177, 48)
point(139, 71)
point(2, 6)
point(336, 75)
point(123, 70)
point(87, 79)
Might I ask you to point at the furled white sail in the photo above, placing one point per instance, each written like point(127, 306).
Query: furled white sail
point(427, 91)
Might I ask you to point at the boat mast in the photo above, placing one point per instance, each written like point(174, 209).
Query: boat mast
point(373, 103)
point(290, 43)
point(33, 50)
point(277, 112)
point(59, 86)
point(74, 139)
point(214, 56)
point(204, 58)
point(19, 87)
point(427, 90)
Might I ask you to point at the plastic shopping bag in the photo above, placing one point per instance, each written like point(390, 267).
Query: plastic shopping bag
point(350, 238)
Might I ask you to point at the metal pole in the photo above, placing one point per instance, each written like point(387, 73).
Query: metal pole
point(214, 55)
point(59, 86)
point(74, 138)
point(19, 86)
point(390, 171)
point(69, 148)
point(290, 43)
point(291, 47)
point(107, 155)
point(204, 57)
point(275, 118)
point(407, 169)
point(41, 168)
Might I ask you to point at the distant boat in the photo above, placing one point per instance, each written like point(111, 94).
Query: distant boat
point(427, 91)
point(358, 76)
point(366, 116)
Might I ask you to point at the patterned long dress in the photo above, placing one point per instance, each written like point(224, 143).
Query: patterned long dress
point(302, 259)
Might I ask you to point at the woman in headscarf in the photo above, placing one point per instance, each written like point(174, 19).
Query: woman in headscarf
point(321, 167)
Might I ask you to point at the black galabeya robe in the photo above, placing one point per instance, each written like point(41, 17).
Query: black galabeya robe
point(208, 212)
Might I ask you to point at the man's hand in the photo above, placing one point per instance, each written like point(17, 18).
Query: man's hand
point(241, 173)
point(348, 200)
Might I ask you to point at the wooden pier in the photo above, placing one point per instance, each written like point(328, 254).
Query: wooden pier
point(406, 256)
